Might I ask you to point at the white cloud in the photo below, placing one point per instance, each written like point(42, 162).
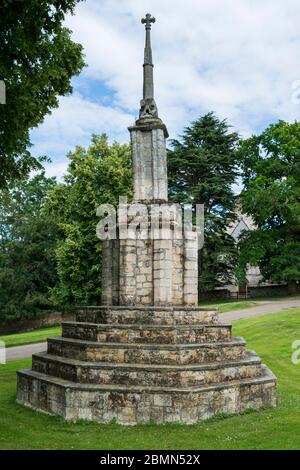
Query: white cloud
point(237, 58)
point(57, 169)
point(73, 122)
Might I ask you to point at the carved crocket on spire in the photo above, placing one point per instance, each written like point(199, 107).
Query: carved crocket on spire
point(148, 109)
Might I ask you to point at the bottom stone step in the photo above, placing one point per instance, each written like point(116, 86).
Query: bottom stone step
point(140, 404)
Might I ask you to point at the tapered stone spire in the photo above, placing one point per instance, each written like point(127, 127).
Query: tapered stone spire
point(148, 109)
point(148, 137)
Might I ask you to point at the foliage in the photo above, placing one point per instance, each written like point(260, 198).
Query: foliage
point(27, 243)
point(95, 176)
point(202, 170)
point(37, 60)
point(271, 195)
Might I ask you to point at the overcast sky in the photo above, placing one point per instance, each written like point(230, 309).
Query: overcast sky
point(238, 58)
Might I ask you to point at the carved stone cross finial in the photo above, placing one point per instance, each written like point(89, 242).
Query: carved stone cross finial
point(148, 20)
point(148, 109)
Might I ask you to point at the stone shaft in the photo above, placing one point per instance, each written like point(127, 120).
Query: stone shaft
point(148, 87)
point(149, 163)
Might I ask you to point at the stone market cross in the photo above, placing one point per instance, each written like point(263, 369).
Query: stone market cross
point(148, 353)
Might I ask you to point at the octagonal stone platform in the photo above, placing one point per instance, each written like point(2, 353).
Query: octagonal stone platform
point(137, 365)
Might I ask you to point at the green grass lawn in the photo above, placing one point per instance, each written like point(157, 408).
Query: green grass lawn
point(36, 336)
point(270, 335)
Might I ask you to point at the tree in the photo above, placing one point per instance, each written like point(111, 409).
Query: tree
point(27, 249)
point(271, 195)
point(202, 170)
point(37, 60)
point(97, 175)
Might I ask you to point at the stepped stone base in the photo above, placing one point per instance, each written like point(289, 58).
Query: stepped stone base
point(145, 364)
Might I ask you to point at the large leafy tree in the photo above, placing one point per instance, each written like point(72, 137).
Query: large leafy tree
point(202, 170)
point(271, 195)
point(27, 249)
point(96, 175)
point(37, 60)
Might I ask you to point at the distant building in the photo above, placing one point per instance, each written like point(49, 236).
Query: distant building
point(253, 275)
point(244, 223)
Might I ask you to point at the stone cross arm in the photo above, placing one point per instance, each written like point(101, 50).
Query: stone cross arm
point(148, 20)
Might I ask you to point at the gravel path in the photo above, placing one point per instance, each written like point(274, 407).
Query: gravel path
point(271, 306)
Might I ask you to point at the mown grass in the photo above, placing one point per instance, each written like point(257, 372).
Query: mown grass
point(270, 335)
point(35, 336)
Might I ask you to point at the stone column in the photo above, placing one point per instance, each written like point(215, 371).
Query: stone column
point(190, 274)
point(110, 272)
point(106, 293)
point(162, 272)
point(128, 261)
point(177, 271)
point(144, 266)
